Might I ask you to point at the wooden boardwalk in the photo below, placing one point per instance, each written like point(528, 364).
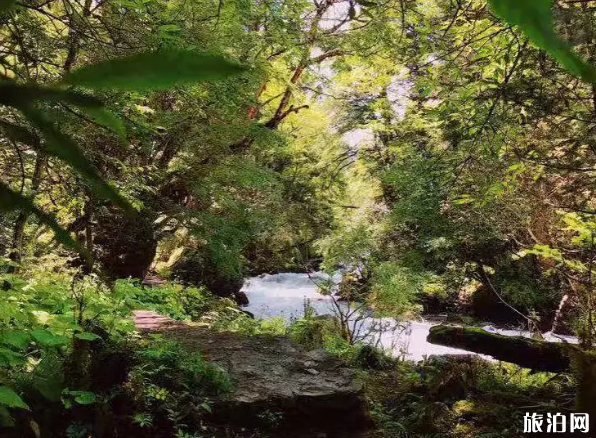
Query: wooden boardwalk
point(147, 320)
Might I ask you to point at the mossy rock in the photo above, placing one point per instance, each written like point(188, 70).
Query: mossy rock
point(525, 352)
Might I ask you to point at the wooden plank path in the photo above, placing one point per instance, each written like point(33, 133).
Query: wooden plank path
point(148, 320)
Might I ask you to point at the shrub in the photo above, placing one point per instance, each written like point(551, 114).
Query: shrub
point(174, 300)
point(172, 387)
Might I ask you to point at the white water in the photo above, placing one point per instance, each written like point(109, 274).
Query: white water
point(284, 295)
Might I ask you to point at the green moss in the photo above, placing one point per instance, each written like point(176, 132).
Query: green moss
point(529, 353)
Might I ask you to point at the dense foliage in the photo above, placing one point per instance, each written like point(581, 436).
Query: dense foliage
point(440, 153)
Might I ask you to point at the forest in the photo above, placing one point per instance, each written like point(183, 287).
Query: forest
point(297, 218)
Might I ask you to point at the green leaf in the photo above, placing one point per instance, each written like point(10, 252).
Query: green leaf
point(86, 336)
point(9, 358)
point(20, 95)
point(108, 119)
point(51, 388)
point(366, 3)
point(11, 399)
point(152, 71)
point(49, 339)
point(84, 397)
point(15, 339)
point(534, 18)
point(67, 403)
point(169, 28)
point(61, 146)
point(12, 201)
point(23, 96)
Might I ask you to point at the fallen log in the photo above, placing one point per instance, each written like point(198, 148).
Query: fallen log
point(528, 353)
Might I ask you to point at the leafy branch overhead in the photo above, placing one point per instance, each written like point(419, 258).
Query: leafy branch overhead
point(148, 71)
point(535, 19)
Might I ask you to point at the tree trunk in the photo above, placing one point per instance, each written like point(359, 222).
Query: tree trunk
point(584, 368)
point(529, 353)
point(74, 35)
point(21, 222)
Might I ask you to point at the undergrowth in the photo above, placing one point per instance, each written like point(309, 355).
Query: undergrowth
point(72, 365)
point(461, 397)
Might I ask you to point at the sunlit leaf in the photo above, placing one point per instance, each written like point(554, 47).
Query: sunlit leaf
point(86, 336)
point(49, 339)
point(152, 71)
point(41, 316)
point(534, 18)
point(11, 399)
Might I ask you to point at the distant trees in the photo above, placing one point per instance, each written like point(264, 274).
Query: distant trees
point(487, 180)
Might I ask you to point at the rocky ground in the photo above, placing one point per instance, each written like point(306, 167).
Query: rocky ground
point(276, 383)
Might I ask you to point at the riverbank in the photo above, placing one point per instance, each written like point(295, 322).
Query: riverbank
point(282, 390)
point(287, 295)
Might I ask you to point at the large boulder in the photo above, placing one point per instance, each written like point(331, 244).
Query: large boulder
point(275, 377)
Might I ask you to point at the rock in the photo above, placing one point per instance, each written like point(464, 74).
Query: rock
point(146, 321)
point(249, 314)
point(372, 358)
point(274, 374)
point(443, 360)
point(318, 355)
point(436, 417)
point(327, 317)
point(241, 298)
point(487, 306)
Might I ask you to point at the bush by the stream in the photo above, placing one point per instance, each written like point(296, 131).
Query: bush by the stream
point(324, 331)
point(442, 396)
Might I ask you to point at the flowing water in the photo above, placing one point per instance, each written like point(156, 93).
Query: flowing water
point(285, 295)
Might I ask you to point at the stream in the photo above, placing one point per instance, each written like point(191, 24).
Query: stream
point(285, 295)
